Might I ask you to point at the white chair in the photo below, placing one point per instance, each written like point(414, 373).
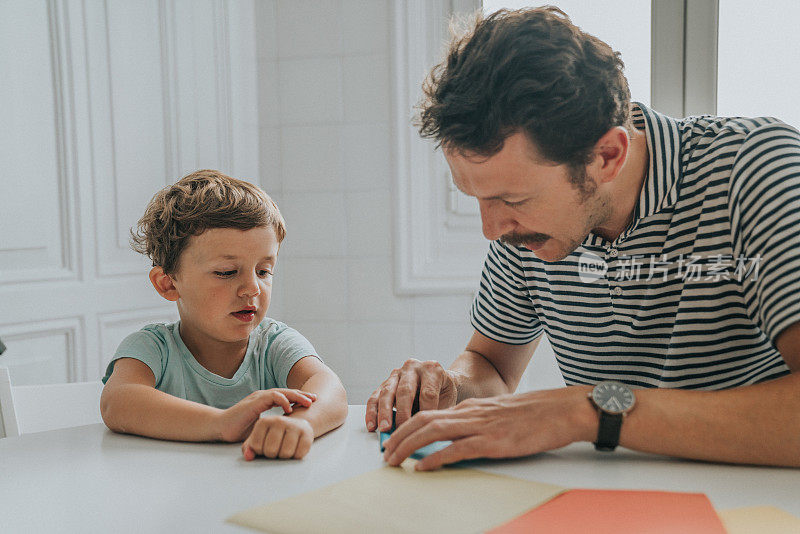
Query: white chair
point(26, 409)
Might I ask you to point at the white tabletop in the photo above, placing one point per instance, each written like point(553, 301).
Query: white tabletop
point(88, 479)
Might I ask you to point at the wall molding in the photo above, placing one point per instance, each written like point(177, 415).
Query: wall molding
point(66, 267)
point(439, 248)
point(70, 327)
point(135, 319)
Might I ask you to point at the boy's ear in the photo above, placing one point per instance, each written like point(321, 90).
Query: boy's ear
point(164, 284)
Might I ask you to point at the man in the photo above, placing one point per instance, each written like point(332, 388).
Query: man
point(660, 256)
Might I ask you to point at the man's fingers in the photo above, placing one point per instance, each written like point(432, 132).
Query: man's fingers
point(429, 388)
point(386, 398)
point(371, 415)
point(462, 449)
point(438, 429)
point(405, 395)
point(412, 425)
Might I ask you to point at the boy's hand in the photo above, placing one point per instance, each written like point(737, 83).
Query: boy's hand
point(276, 436)
point(238, 421)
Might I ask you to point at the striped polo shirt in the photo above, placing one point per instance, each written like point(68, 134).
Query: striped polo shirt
point(695, 291)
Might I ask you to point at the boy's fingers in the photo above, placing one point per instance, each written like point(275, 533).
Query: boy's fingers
point(305, 398)
point(295, 395)
point(279, 399)
point(289, 444)
point(272, 441)
point(303, 445)
point(255, 441)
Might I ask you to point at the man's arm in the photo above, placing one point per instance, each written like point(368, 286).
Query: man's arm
point(485, 368)
point(757, 424)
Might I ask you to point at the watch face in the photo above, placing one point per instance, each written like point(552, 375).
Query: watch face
point(613, 397)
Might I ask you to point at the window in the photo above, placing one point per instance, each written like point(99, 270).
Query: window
point(670, 54)
point(623, 24)
point(759, 63)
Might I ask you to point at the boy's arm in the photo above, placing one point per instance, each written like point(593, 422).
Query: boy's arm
point(131, 404)
point(329, 410)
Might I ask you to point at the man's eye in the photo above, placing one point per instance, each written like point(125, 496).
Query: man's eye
point(225, 274)
point(264, 273)
point(514, 204)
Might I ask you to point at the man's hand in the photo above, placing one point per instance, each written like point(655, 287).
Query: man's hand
point(238, 421)
point(424, 384)
point(276, 436)
point(505, 426)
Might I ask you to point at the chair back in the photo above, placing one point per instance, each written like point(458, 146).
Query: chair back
point(51, 406)
point(26, 409)
point(8, 416)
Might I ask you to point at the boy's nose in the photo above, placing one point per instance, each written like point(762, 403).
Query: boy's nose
point(250, 289)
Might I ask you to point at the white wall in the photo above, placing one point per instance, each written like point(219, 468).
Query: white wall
point(294, 94)
point(326, 156)
point(102, 103)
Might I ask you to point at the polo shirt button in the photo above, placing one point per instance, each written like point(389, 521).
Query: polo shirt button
point(617, 291)
point(613, 253)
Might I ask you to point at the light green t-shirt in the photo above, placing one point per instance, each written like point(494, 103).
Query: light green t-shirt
point(272, 350)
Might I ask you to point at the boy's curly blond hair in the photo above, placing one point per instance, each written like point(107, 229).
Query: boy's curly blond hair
point(202, 200)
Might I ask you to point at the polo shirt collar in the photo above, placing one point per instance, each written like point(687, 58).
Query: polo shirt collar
point(659, 189)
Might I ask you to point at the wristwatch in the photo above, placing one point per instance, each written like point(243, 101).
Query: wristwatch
point(613, 401)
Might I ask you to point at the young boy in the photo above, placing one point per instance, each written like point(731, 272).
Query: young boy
point(214, 242)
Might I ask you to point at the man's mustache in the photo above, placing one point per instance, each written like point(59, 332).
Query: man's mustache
point(520, 240)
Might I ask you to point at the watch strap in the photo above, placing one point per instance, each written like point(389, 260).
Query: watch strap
point(608, 431)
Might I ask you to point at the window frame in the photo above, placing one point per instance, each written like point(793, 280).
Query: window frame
point(438, 246)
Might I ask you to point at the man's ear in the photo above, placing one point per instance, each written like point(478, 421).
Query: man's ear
point(610, 151)
point(164, 284)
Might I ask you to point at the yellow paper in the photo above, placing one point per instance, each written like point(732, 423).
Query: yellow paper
point(400, 500)
point(759, 520)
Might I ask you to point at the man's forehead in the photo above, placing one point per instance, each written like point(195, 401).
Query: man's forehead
point(495, 177)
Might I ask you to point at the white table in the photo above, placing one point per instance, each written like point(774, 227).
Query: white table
point(88, 479)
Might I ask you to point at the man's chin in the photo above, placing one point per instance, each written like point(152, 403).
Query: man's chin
point(547, 252)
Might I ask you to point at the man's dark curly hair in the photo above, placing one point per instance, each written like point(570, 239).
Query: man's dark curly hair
point(532, 71)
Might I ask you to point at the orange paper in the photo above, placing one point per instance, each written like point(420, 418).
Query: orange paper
point(619, 512)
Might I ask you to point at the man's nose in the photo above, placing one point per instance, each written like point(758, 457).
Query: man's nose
point(495, 223)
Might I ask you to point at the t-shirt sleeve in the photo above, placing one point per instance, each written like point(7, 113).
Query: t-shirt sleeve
point(287, 346)
point(765, 218)
point(147, 347)
point(502, 309)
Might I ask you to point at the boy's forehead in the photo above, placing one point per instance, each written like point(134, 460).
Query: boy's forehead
point(232, 244)
point(237, 257)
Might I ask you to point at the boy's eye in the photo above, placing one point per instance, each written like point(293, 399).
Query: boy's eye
point(225, 274)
